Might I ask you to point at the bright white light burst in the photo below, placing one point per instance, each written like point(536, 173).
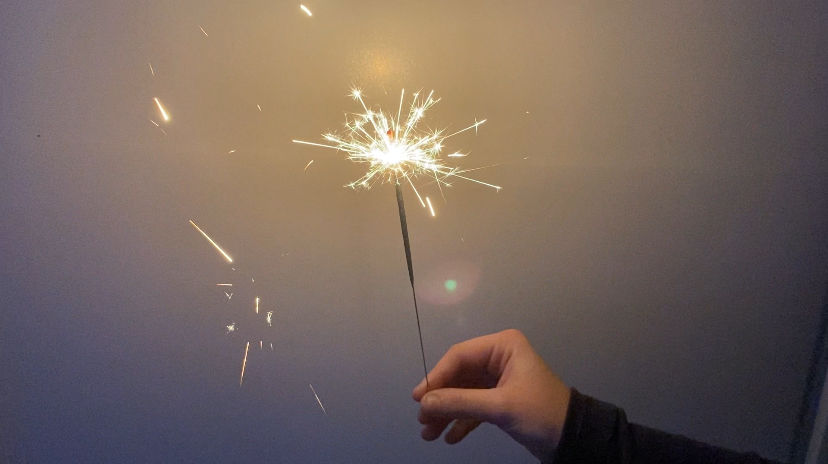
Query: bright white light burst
point(396, 149)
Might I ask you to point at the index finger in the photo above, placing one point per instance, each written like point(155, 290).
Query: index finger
point(478, 362)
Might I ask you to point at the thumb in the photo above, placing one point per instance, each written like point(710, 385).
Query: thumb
point(465, 403)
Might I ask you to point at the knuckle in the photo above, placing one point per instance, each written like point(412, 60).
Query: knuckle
point(514, 335)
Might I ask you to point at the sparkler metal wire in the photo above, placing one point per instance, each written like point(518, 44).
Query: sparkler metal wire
point(395, 149)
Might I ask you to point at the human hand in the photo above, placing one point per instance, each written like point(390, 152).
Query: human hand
point(496, 378)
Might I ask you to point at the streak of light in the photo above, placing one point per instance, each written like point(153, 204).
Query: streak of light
point(156, 124)
point(244, 363)
point(260, 344)
point(162, 130)
point(257, 305)
point(457, 155)
point(151, 70)
point(259, 107)
point(271, 347)
point(461, 239)
point(202, 30)
point(231, 151)
point(306, 10)
point(306, 166)
point(163, 113)
point(270, 319)
point(229, 295)
point(317, 400)
point(229, 259)
point(430, 207)
point(225, 285)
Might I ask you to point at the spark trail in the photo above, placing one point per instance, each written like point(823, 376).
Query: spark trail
point(226, 256)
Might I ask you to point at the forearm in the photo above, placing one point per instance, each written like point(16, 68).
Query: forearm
point(599, 432)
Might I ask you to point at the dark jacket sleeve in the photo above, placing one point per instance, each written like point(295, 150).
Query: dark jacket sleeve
point(598, 432)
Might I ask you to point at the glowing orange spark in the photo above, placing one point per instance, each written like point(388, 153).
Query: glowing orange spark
point(317, 400)
point(244, 363)
point(229, 259)
point(161, 108)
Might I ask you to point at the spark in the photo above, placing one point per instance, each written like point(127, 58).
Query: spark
point(260, 344)
point(151, 70)
point(225, 285)
point(163, 113)
point(271, 347)
point(231, 327)
point(461, 239)
point(306, 10)
point(306, 167)
point(229, 295)
point(156, 124)
point(257, 305)
point(394, 147)
point(231, 151)
point(317, 400)
point(202, 30)
point(430, 207)
point(229, 259)
point(269, 318)
point(162, 130)
point(244, 363)
point(259, 107)
point(457, 155)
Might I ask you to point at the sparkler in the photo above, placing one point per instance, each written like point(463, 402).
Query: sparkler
point(397, 150)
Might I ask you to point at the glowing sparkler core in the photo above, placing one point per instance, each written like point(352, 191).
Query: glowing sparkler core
point(396, 149)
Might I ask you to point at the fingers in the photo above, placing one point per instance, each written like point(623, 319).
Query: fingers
point(480, 361)
point(485, 405)
point(433, 430)
point(460, 429)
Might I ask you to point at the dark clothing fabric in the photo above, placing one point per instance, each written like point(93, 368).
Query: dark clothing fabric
point(598, 432)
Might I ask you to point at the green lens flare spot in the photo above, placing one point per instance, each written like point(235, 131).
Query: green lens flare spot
point(451, 285)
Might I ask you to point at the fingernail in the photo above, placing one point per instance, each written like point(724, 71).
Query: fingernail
point(431, 400)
